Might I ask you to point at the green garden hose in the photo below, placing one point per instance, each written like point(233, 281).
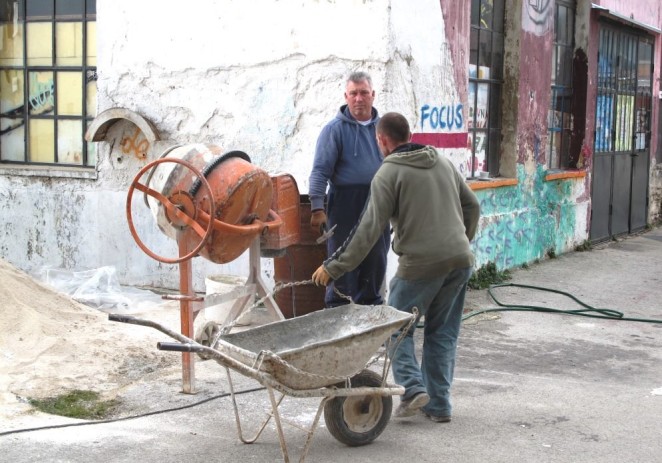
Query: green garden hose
point(587, 311)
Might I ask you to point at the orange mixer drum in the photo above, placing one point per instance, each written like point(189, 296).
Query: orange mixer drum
point(242, 194)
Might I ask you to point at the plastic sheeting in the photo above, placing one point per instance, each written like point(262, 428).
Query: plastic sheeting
point(98, 288)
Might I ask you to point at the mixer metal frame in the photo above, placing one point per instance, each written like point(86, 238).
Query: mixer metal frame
point(189, 303)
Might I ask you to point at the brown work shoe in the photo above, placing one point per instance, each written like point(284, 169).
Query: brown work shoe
point(411, 406)
point(438, 419)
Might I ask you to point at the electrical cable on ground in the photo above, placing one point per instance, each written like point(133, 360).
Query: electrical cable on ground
point(132, 417)
point(588, 311)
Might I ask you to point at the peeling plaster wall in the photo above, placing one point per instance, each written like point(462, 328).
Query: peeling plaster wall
point(223, 72)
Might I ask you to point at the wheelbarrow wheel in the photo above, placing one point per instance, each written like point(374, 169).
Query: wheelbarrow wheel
point(358, 420)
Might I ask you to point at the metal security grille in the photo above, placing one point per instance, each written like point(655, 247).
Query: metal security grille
point(559, 121)
point(622, 132)
point(485, 83)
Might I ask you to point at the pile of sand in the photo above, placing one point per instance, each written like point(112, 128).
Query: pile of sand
point(50, 343)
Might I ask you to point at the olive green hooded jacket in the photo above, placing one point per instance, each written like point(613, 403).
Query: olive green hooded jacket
point(433, 214)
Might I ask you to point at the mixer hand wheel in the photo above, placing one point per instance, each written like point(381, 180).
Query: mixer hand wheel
point(180, 207)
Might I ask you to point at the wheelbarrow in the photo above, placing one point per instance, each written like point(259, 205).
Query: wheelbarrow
point(322, 354)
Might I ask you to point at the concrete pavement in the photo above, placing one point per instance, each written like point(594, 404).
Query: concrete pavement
point(529, 387)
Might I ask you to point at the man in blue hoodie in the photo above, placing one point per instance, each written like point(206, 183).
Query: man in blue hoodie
point(346, 159)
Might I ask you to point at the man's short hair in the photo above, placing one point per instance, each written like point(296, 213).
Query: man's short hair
point(359, 76)
point(395, 127)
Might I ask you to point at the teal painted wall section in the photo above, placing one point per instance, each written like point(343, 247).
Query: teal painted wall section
point(527, 221)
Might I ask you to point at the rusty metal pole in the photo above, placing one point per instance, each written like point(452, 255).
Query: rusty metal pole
point(186, 316)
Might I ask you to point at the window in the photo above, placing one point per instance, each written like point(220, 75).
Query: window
point(485, 83)
point(559, 119)
point(624, 100)
point(47, 81)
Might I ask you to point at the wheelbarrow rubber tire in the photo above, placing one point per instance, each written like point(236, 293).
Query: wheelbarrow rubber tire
point(358, 420)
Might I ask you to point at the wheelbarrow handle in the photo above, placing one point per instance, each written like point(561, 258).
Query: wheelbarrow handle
point(115, 317)
point(178, 347)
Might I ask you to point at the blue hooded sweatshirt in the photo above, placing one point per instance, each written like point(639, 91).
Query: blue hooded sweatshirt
point(346, 155)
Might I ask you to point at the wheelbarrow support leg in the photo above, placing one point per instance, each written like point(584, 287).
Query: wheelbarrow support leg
point(238, 419)
point(275, 405)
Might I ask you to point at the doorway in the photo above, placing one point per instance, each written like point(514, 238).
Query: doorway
point(619, 193)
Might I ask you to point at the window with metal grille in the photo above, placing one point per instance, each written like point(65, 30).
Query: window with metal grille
point(485, 83)
point(47, 81)
point(559, 119)
point(623, 109)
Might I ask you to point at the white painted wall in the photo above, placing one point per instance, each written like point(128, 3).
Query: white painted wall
point(262, 76)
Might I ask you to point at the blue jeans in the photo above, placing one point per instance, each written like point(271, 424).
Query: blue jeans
point(441, 300)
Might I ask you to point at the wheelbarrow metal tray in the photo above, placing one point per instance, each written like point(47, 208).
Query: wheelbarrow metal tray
point(318, 349)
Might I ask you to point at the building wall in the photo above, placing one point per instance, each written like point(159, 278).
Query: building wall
point(224, 73)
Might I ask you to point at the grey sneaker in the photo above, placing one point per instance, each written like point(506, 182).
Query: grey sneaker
point(411, 406)
point(438, 419)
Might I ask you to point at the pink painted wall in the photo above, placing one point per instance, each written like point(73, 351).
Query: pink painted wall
point(457, 18)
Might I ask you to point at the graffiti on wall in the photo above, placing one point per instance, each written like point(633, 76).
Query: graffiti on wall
point(135, 144)
point(537, 16)
point(521, 225)
point(443, 117)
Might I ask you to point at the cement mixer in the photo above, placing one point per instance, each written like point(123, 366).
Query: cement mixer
point(216, 205)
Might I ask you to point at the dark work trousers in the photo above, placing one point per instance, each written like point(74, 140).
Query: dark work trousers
point(364, 283)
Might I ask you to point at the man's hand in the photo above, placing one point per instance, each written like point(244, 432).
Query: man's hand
point(318, 220)
point(321, 277)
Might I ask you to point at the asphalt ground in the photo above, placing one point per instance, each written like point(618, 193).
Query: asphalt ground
point(530, 386)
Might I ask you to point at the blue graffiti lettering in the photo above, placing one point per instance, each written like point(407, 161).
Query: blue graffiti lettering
point(444, 117)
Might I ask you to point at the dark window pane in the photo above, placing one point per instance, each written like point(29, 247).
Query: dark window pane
point(40, 9)
point(485, 49)
point(6, 10)
point(69, 8)
point(561, 24)
point(644, 68)
point(570, 39)
point(497, 16)
point(475, 12)
point(473, 54)
point(495, 103)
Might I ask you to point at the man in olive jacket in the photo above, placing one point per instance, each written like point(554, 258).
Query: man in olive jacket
point(434, 215)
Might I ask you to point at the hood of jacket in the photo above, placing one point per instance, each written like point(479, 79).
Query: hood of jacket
point(414, 155)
